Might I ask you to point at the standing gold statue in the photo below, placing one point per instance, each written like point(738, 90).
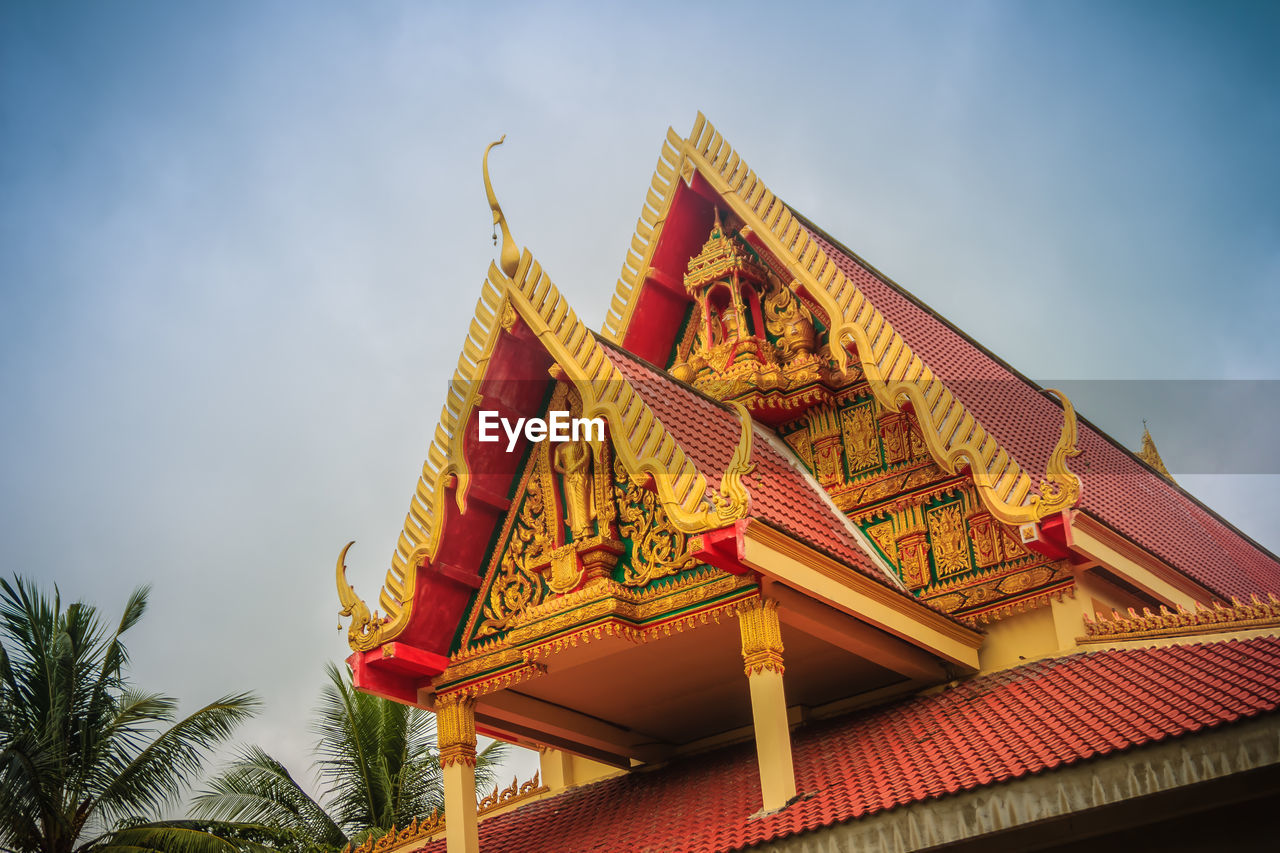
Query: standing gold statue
point(573, 463)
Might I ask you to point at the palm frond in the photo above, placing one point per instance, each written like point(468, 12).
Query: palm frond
point(258, 789)
point(157, 775)
point(192, 837)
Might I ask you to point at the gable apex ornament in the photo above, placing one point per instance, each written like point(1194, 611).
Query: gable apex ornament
point(509, 258)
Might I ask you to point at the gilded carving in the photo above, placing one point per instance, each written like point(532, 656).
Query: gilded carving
point(573, 464)
point(1013, 547)
point(515, 587)
point(985, 538)
point(824, 427)
point(658, 549)
point(913, 554)
point(803, 447)
point(916, 443)
point(761, 636)
point(950, 544)
point(861, 437)
point(882, 535)
point(752, 338)
point(893, 431)
point(1238, 616)
point(456, 729)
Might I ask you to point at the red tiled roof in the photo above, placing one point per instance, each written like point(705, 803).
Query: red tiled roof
point(989, 730)
point(708, 433)
point(1118, 490)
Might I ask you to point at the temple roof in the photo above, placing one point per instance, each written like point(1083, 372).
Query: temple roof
point(1118, 489)
point(984, 732)
point(792, 501)
point(974, 409)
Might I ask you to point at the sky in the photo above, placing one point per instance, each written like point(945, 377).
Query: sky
point(240, 245)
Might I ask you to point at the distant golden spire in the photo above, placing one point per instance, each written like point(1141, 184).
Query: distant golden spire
point(1150, 455)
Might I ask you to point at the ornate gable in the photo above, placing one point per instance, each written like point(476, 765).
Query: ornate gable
point(578, 523)
point(751, 339)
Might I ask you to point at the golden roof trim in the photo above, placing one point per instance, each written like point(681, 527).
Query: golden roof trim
point(954, 436)
point(653, 215)
point(1203, 619)
point(433, 824)
point(420, 537)
point(643, 445)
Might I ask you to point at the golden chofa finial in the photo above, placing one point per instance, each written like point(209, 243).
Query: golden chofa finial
point(1061, 488)
point(366, 629)
point(509, 259)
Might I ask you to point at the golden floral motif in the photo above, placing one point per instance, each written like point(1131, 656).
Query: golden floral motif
point(803, 447)
point(420, 830)
point(1256, 613)
point(913, 553)
point(882, 535)
point(658, 549)
point(513, 793)
point(893, 429)
point(515, 587)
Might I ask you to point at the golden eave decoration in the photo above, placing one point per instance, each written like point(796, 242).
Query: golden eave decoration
point(895, 374)
point(646, 450)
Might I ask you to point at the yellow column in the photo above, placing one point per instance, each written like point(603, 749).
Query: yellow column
point(762, 655)
point(556, 767)
point(456, 736)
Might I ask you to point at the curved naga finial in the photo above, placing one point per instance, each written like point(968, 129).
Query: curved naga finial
point(732, 501)
point(1061, 488)
point(509, 259)
point(365, 629)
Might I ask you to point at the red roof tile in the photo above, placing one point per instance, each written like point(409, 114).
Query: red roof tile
point(1118, 489)
point(985, 731)
point(780, 493)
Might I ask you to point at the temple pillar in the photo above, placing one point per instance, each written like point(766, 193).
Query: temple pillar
point(456, 737)
point(556, 768)
point(762, 656)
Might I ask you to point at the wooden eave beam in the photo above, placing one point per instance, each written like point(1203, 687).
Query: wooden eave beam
point(574, 730)
point(782, 558)
point(825, 623)
point(1103, 546)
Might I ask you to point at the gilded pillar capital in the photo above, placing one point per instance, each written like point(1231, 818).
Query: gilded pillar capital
point(456, 729)
point(761, 636)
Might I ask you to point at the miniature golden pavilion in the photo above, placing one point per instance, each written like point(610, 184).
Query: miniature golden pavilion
point(833, 574)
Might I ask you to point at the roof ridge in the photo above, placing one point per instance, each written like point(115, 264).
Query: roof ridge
point(1167, 480)
point(895, 373)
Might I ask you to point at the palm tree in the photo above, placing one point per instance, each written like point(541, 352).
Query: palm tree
point(86, 760)
point(377, 764)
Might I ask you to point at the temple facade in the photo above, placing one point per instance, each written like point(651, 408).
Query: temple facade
point(828, 576)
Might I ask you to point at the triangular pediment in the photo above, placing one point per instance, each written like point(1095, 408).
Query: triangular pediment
point(579, 523)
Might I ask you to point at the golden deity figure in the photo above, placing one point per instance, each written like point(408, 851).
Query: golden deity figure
point(573, 464)
point(786, 319)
